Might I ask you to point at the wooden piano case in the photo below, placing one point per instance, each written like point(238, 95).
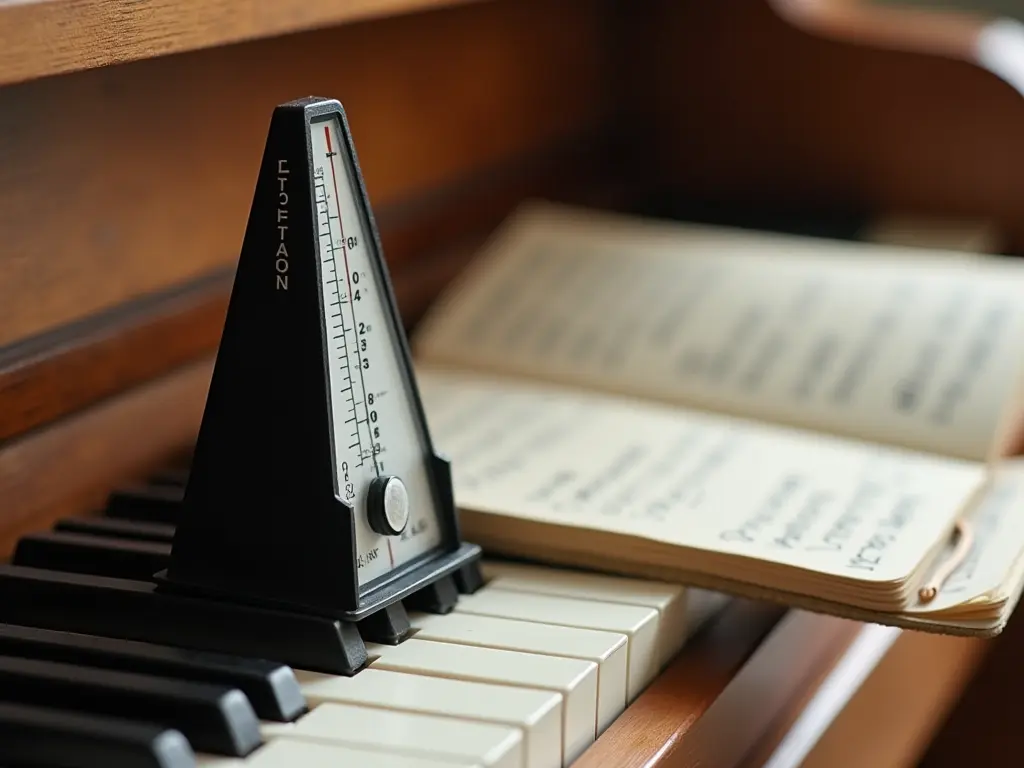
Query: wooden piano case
point(129, 142)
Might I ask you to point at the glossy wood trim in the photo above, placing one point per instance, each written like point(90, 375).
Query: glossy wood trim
point(664, 713)
point(827, 700)
point(901, 706)
point(71, 465)
point(429, 240)
point(39, 38)
point(147, 175)
point(983, 727)
point(768, 693)
point(921, 30)
point(46, 377)
point(722, 697)
point(796, 120)
point(990, 43)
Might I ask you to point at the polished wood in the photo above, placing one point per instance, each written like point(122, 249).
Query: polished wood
point(125, 180)
point(901, 707)
point(800, 728)
point(690, 684)
point(70, 466)
point(937, 31)
point(984, 726)
point(51, 375)
point(39, 38)
point(791, 118)
point(54, 374)
point(724, 695)
point(767, 695)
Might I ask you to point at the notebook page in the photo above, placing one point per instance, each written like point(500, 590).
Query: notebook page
point(712, 483)
point(874, 342)
point(997, 526)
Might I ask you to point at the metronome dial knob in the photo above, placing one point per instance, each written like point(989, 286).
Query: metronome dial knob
point(387, 503)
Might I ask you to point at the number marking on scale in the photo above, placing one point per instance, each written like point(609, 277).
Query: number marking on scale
point(375, 441)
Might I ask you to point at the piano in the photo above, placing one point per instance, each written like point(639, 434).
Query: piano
point(129, 139)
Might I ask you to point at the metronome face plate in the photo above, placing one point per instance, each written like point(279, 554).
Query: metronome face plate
point(375, 427)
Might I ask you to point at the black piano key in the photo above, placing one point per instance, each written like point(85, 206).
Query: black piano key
point(134, 610)
point(154, 504)
point(272, 688)
point(213, 718)
point(136, 530)
point(98, 555)
point(41, 737)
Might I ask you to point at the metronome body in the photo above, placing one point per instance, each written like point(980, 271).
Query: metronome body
point(314, 485)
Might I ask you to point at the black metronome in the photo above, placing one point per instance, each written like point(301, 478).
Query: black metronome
point(314, 484)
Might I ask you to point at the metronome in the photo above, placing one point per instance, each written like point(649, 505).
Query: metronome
point(314, 484)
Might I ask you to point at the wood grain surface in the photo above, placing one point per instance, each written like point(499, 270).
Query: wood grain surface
point(983, 727)
point(665, 712)
point(902, 705)
point(725, 695)
point(69, 466)
point(935, 31)
point(48, 37)
point(125, 180)
point(754, 110)
point(798, 728)
point(51, 375)
point(46, 377)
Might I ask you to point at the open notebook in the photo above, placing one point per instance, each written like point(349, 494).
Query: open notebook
point(814, 422)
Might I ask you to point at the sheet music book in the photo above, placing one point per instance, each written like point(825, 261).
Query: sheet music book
point(821, 423)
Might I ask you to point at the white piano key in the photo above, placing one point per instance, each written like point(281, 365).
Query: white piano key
point(606, 649)
point(681, 610)
point(639, 624)
point(299, 753)
point(574, 679)
point(407, 733)
point(537, 713)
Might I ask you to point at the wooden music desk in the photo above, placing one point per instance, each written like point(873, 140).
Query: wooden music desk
point(129, 138)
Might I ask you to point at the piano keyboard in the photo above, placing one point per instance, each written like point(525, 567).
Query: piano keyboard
point(99, 669)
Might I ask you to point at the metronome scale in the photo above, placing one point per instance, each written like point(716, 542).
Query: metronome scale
point(314, 484)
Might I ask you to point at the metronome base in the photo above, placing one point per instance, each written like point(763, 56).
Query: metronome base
point(463, 563)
